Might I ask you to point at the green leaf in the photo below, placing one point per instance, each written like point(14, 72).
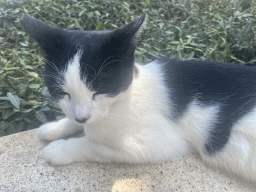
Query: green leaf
point(24, 44)
point(113, 25)
point(25, 110)
point(11, 129)
point(7, 113)
point(14, 99)
point(70, 25)
point(101, 26)
point(175, 42)
point(247, 28)
point(20, 126)
point(33, 74)
point(23, 102)
point(169, 32)
point(81, 13)
point(190, 55)
point(4, 99)
point(34, 86)
point(45, 92)
point(3, 125)
point(197, 49)
point(25, 10)
point(2, 133)
point(41, 116)
point(29, 67)
point(56, 9)
point(2, 76)
point(252, 61)
point(28, 120)
point(19, 73)
point(45, 109)
point(233, 57)
point(22, 91)
point(10, 68)
point(19, 119)
point(97, 13)
point(198, 45)
point(161, 25)
point(247, 15)
point(5, 105)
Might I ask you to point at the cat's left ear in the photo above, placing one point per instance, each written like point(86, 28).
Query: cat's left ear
point(131, 32)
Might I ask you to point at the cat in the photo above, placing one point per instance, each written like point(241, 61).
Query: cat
point(135, 113)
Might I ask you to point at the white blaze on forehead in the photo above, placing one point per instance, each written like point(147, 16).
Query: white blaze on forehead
point(80, 104)
point(74, 84)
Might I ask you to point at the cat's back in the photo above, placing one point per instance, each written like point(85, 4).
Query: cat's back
point(204, 72)
point(209, 81)
point(229, 87)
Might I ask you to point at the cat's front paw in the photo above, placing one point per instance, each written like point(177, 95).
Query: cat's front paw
point(57, 153)
point(55, 130)
point(48, 132)
point(58, 129)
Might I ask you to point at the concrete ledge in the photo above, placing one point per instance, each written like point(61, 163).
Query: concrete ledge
point(23, 169)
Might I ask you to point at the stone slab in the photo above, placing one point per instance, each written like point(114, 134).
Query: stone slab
point(22, 168)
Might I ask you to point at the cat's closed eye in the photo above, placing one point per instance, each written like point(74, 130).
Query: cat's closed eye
point(65, 93)
point(93, 96)
point(98, 96)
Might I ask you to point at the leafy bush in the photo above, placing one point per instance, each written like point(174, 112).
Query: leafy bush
point(222, 30)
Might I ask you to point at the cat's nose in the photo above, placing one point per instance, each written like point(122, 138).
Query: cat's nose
point(82, 120)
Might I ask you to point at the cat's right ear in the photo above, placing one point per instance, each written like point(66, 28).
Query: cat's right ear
point(48, 37)
point(131, 32)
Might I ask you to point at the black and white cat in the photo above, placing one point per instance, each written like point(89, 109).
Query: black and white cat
point(143, 113)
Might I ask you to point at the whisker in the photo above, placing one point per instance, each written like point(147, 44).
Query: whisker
point(91, 68)
point(61, 73)
point(103, 64)
point(108, 64)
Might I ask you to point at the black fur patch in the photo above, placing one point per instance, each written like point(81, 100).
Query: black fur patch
point(107, 60)
point(232, 86)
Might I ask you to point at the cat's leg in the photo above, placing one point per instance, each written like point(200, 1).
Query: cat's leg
point(137, 148)
point(62, 152)
point(239, 155)
point(58, 129)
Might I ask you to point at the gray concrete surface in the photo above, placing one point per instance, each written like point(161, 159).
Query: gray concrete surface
point(22, 168)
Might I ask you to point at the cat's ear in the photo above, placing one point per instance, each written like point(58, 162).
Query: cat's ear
point(47, 36)
point(131, 32)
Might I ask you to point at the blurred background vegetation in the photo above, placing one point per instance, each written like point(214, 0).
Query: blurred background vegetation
point(222, 30)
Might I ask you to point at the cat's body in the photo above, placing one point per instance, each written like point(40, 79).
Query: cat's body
point(155, 112)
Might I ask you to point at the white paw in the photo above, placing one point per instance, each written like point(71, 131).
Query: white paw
point(44, 133)
point(58, 153)
point(57, 130)
point(51, 131)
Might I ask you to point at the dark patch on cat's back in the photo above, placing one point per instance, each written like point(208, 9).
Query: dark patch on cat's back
point(231, 86)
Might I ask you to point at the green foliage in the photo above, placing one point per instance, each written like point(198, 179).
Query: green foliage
point(222, 30)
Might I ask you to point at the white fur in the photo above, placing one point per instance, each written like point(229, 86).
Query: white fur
point(58, 129)
point(81, 105)
point(239, 155)
point(196, 124)
point(122, 133)
point(135, 127)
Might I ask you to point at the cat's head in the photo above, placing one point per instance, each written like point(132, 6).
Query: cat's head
point(86, 71)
